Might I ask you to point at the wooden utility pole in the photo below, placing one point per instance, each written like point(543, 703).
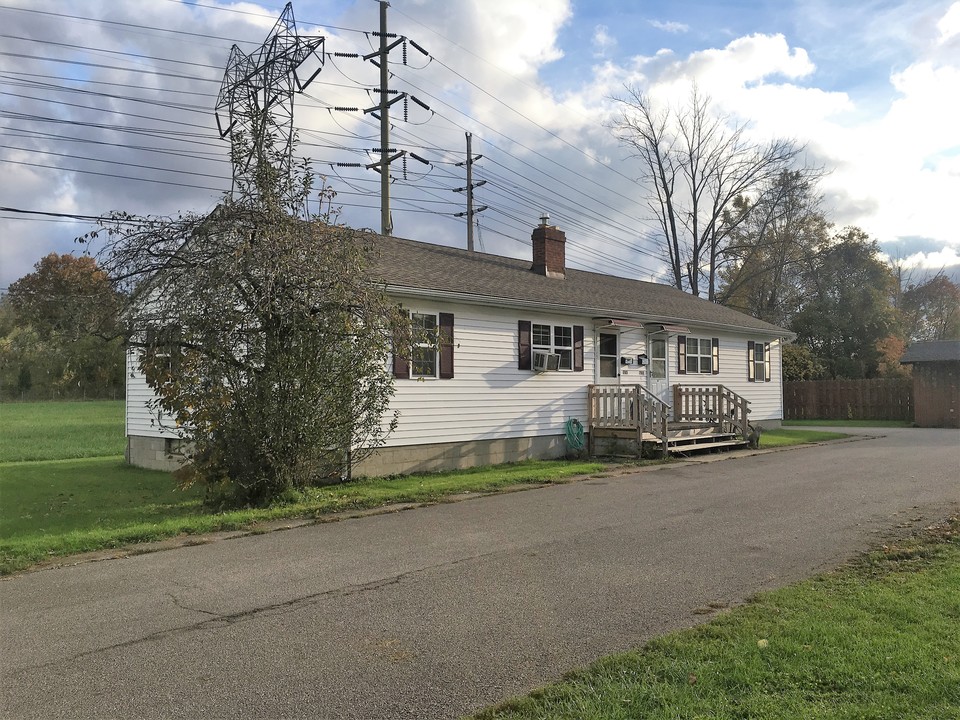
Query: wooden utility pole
point(471, 211)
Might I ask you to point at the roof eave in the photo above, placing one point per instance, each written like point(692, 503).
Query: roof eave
point(505, 302)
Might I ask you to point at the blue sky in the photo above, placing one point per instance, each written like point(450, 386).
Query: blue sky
point(871, 88)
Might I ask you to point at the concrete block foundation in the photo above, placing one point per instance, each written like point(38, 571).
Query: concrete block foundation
point(154, 453)
point(162, 454)
point(435, 457)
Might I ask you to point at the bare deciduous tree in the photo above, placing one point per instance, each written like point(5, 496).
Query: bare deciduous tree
point(696, 162)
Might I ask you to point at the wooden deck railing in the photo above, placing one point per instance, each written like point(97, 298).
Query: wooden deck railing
point(628, 407)
point(714, 404)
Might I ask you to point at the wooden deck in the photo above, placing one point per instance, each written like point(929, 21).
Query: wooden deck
point(702, 418)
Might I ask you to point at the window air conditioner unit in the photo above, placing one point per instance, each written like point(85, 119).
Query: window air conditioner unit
point(544, 361)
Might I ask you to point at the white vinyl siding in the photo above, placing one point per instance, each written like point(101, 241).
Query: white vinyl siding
point(140, 420)
point(766, 399)
point(490, 397)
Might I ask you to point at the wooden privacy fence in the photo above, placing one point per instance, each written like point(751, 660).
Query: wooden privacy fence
point(877, 399)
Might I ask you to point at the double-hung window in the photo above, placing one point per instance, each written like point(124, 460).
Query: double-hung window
point(431, 353)
point(566, 341)
point(758, 361)
point(554, 339)
point(423, 358)
point(698, 356)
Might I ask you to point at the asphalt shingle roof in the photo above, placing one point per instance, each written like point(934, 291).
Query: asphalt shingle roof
point(934, 351)
point(410, 265)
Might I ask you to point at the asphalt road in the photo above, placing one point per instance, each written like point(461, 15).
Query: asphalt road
point(437, 611)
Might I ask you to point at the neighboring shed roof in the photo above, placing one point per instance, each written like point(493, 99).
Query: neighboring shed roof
point(935, 351)
point(416, 266)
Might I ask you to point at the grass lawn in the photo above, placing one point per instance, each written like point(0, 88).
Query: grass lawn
point(879, 639)
point(850, 423)
point(54, 508)
point(786, 437)
point(64, 487)
point(61, 430)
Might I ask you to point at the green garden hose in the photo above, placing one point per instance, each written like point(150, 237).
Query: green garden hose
point(575, 437)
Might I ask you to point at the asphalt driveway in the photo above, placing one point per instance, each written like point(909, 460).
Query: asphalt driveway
point(437, 611)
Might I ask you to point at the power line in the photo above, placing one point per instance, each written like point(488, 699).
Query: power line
point(73, 156)
point(114, 175)
point(81, 63)
point(45, 213)
point(122, 53)
point(511, 194)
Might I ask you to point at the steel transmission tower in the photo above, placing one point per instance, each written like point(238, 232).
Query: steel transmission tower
point(256, 96)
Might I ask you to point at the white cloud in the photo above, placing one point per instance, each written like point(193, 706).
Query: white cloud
point(893, 171)
point(603, 41)
point(669, 26)
point(949, 24)
point(945, 258)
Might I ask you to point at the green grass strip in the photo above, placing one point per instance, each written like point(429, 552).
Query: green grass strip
point(850, 423)
point(57, 508)
point(878, 639)
point(786, 437)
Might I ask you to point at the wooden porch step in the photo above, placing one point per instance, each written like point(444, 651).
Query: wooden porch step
point(699, 444)
point(690, 425)
point(704, 431)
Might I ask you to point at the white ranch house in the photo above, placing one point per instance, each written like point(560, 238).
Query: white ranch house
point(528, 346)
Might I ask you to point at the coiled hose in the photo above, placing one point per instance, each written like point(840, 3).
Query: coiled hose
point(574, 432)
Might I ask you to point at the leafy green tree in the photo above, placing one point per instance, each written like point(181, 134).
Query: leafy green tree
point(772, 246)
point(931, 310)
point(848, 306)
point(67, 297)
point(263, 334)
point(800, 364)
point(60, 329)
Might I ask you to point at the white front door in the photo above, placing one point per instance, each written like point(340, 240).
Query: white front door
point(658, 381)
point(608, 358)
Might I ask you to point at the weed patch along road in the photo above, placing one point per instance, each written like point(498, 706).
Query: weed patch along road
point(445, 609)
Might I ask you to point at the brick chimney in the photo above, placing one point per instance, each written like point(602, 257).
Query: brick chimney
point(549, 250)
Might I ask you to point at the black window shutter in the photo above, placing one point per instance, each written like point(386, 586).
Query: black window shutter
point(578, 348)
point(751, 355)
point(524, 355)
point(401, 363)
point(715, 355)
point(446, 345)
point(681, 354)
point(401, 355)
point(766, 361)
